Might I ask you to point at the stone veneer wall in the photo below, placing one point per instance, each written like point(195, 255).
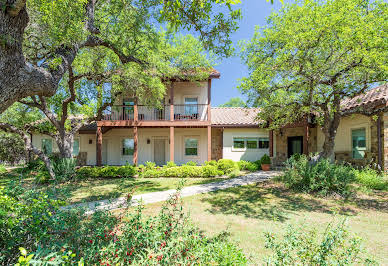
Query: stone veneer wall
point(217, 138)
point(282, 142)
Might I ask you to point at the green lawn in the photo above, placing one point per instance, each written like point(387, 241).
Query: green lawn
point(109, 188)
point(249, 211)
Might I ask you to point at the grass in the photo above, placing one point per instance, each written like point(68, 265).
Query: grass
point(109, 188)
point(249, 211)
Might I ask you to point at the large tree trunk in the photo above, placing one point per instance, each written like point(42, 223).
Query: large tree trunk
point(329, 128)
point(19, 79)
point(65, 144)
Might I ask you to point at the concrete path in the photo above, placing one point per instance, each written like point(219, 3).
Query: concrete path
point(185, 192)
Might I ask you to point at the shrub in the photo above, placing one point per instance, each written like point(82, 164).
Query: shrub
point(245, 165)
point(212, 162)
point(2, 169)
point(126, 171)
point(64, 168)
point(150, 165)
point(323, 176)
point(226, 165)
point(371, 179)
point(169, 238)
point(211, 171)
point(183, 171)
point(265, 159)
point(305, 247)
point(191, 163)
point(170, 164)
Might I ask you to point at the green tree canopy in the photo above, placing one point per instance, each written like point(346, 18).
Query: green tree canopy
point(39, 39)
point(234, 102)
point(312, 55)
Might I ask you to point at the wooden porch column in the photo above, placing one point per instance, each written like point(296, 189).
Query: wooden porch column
point(172, 104)
point(271, 143)
point(172, 145)
point(209, 143)
point(209, 97)
point(135, 111)
point(135, 141)
point(99, 146)
point(306, 139)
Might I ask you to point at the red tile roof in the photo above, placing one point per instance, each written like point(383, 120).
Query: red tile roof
point(235, 116)
point(369, 100)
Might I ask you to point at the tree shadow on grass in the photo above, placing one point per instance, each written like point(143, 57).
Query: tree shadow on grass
point(266, 201)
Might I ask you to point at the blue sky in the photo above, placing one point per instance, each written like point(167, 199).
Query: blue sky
point(254, 13)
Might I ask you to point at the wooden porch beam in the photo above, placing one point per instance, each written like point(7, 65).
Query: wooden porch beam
point(135, 146)
point(172, 144)
point(99, 146)
point(209, 143)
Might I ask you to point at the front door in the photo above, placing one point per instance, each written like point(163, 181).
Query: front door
point(295, 145)
point(160, 151)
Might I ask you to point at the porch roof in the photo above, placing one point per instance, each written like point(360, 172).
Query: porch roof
point(235, 117)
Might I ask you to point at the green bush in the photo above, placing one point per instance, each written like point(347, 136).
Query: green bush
point(126, 171)
point(170, 164)
point(265, 159)
point(191, 163)
point(64, 169)
point(371, 179)
point(226, 165)
point(212, 162)
point(250, 166)
point(183, 171)
point(336, 246)
point(2, 169)
point(150, 165)
point(322, 176)
point(70, 236)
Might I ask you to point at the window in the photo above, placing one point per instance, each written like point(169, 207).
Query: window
point(191, 147)
point(47, 146)
point(252, 143)
point(358, 143)
point(128, 146)
point(238, 143)
point(191, 106)
point(263, 143)
point(76, 147)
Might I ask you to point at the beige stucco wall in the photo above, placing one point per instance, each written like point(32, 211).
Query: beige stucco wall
point(343, 139)
point(248, 155)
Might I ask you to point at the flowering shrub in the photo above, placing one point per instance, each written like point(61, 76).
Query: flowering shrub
point(168, 238)
point(336, 246)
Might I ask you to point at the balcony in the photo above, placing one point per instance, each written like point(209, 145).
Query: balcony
point(182, 112)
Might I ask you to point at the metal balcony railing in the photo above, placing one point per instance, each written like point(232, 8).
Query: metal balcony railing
point(195, 112)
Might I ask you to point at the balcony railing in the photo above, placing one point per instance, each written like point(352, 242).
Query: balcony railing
point(194, 112)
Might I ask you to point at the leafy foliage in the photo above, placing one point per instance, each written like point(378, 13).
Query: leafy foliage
point(323, 176)
point(250, 166)
point(126, 171)
point(336, 246)
point(11, 148)
point(371, 179)
point(311, 56)
point(64, 168)
point(234, 102)
point(56, 236)
point(265, 159)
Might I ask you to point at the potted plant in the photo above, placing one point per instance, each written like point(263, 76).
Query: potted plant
point(265, 162)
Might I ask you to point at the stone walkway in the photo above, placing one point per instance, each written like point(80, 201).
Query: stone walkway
point(153, 197)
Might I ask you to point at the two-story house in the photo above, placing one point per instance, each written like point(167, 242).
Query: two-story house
point(188, 128)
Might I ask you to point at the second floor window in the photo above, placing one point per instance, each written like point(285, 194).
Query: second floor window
point(128, 111)
point(128, 147)
point(191, 106)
